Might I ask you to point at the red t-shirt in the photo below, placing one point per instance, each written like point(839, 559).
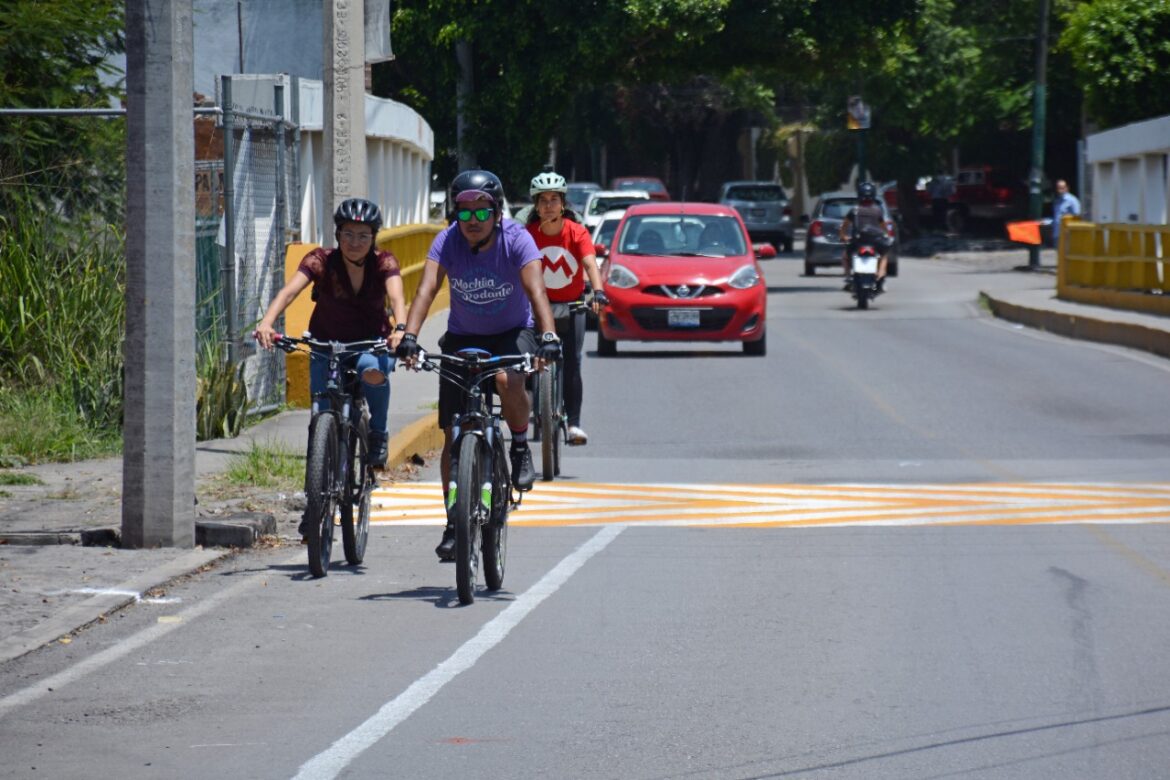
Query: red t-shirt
point(564, 273)
point(342, 313)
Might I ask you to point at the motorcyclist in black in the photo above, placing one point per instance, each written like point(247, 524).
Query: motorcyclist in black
point(865, 222)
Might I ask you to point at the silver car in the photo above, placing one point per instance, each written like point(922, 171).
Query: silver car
point(763, 207)
point(823, 245)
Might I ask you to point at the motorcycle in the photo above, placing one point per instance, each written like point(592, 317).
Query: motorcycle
point(864, 260)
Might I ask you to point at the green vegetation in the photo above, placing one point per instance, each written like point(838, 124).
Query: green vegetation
point(268, 464)
point(61, 326)
point(17, 478)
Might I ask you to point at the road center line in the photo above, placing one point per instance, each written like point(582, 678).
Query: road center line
point(336, 757)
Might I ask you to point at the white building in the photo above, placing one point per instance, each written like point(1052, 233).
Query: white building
point(1129, 171)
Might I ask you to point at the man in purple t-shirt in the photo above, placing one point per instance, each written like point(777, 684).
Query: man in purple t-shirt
point(497, 284)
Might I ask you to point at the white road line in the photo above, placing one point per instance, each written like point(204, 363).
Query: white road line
point(128, 645)
point(338, 756)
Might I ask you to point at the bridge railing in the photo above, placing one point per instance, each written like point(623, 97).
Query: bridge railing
point(409, 243)
point(1119, 265)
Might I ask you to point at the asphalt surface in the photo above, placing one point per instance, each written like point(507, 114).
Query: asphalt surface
point(53, 586)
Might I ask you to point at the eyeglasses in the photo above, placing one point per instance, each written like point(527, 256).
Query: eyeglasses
point(356, 238)
point(481, 215)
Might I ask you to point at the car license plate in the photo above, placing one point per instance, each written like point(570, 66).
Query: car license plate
point(682, 318)
point(759, 213)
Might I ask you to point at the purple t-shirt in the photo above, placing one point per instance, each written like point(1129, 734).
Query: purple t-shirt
point(487, 296)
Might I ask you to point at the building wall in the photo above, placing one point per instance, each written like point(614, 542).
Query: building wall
point(1130, 172)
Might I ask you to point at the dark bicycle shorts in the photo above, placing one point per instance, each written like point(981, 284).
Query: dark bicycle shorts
point(511, 342)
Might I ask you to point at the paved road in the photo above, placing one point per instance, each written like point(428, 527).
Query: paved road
point(1010, 647)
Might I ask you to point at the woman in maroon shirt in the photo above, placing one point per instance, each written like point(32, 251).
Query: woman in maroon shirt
point(351, 286)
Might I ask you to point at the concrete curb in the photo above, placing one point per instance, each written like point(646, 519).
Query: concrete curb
point(1098, 329)
point(420, 436)
point(80, 615)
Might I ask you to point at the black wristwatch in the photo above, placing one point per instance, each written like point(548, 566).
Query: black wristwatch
point(400, 327)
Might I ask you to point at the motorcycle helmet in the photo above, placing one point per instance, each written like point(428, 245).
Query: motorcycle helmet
point(358, 210)
point(484, 182)
point(866, 191)
point(548, 181)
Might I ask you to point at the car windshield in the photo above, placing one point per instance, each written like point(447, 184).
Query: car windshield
point(602, 205)
point(838, 208)
point(761, 193)
point(688, 235)
point(606, 231)
point(649, 186)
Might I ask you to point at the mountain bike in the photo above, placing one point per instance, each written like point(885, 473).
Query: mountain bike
point(550, 424)
point(480, 494)
point(339, 477)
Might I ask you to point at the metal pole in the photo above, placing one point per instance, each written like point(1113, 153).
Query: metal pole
point(227, 268)
point(1039, 106)
point(279, 221)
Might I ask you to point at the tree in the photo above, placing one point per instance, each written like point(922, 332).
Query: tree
point(1121, 52)
point(56, 55)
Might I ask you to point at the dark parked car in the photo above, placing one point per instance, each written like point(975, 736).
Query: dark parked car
point(823, 247)
point(763, 206)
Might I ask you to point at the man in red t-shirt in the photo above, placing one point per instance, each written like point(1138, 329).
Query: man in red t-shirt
point(567, 253)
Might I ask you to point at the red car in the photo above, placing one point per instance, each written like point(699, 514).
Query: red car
point(683, 272)
point(654, 186)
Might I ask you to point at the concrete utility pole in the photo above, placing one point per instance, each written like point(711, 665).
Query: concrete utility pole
point(158, 455)
point(345, 104)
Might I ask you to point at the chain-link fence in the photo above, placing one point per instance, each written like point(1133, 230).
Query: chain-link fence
point(259, 182)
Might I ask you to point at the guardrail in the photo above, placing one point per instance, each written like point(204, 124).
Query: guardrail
point(1119, 265)
point(409, 243)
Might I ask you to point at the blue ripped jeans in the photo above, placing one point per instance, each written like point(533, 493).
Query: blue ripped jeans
point(377, 396)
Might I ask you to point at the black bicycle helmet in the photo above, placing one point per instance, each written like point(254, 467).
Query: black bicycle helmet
point(484, 181)
point(358, 210)
point(866, 191)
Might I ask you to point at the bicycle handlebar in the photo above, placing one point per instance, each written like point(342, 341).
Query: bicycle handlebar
point(316, 346)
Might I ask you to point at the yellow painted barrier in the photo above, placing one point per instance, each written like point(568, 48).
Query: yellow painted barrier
point(409, 243)
point(1123, 266)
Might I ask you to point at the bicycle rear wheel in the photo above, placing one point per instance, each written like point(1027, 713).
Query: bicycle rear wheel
point(469, 483)
point(321, 492)
point(355, 514)
point(495, 531)
point(549, 425)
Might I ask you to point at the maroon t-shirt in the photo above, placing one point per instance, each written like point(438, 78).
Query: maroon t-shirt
point(342, 313)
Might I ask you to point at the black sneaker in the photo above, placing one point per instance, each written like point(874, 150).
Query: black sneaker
point(523, 473)
point(377, 449)
point(446, 548)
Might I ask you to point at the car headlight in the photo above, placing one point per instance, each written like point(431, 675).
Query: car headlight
point(621, 277)
point(744, 278)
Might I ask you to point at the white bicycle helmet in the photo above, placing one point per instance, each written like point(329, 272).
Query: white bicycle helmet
point(547, 182)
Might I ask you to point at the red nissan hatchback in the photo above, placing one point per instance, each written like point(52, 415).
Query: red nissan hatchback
point(683, 272)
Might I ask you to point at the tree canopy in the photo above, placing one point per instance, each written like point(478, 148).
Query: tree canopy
point(55, 55)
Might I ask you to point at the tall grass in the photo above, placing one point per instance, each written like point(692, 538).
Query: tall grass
point(62, 319)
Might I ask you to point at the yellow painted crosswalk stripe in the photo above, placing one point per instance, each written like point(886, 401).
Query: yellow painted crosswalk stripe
point(781, 506)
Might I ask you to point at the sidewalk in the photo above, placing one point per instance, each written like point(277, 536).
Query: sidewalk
point(53, 583)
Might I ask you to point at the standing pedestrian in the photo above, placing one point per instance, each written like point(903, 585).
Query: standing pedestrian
point(1065, 203)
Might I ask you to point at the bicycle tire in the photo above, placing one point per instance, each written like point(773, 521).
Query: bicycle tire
point(355, 525)
point(495, 532)
point(468, 487)
point(320, 491)
point(549, 425)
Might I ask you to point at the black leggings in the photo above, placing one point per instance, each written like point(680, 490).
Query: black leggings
point(571, 329)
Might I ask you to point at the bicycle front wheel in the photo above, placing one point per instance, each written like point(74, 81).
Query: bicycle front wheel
point(469, 484)
point(321, 492)
point(549, 427)
point(355, 515)
point(495, 531)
